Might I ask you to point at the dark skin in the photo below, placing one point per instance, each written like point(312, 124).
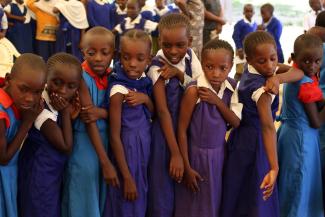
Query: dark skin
point(25, 89)
point(310, 60)
point(98, 52)
point(248, 13)
point(216, 65)
point(15, 17)
point(174, 43)
point(63, 82)
point(135, 56)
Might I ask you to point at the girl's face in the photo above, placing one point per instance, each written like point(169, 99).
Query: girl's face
point(216, 65)
point(121, 3)
point(133, 9)
point(135, 57)
point(265, 59)
point(64, 80)
point(98, 53)
point(26, 88)
point(266, 14)
point(160, 4)
point(174, 43)
point(248, 12)
point(309, 61)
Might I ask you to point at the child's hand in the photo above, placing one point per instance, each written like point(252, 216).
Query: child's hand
point(176, 167)
point(130, 189)
point(206, 95)
point(272, 85)
point(268, 183)
point(90, 114)
point(58, 102)
point(110, 176)
point(29, 115)
point(191, 179)
point(134, 98)
point(168, 71)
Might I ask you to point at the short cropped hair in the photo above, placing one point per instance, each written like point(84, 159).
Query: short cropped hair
point(215, 44)
point(253, 39)
point(306, 41)
point(30, 61)
point(99, 31)
point(320, 20)
point(268, 7)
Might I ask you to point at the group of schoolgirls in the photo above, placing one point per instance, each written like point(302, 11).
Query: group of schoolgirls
point(46, 27)
point(154, 129)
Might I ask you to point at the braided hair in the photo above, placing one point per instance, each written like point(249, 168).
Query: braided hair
point(136, 34)
point(215, 44)
point(254, 39)
point(63, 58)
point(174, 20)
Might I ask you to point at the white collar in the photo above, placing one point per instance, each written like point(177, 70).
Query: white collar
point(101, 2)
point(202, 81)
point(135, 21)
point(46, 97)
point(268, 22)
point(161, 53)
point(247, 21)
point(46, 6)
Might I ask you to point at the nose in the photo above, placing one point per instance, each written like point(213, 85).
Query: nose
point(132, 62)
point(29, 98)
point(63, 90)
point(173, 50)
point(98, 57)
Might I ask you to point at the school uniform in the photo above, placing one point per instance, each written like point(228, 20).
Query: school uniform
point(170, 8)
point(246, 163)
point(161, 185)
point(147, 12)
point(206, 152)
point(138, 23)
point(3, 19)
point(136, 141)
point(98, 14)
point(41, 168)
point(300, 178)
point(20, 33)
point(84, 191)
point(242, 28)
point(274, 27)
point(9, 172)
point(46, 26)
point(73, 19)
point(117, 15)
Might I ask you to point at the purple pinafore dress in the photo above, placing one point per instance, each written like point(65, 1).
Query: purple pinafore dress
point(40, 177)
point(206, 139)
point(246, 163)
point(136, 140)
point(161, 185)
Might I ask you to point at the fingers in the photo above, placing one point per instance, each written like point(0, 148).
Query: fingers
point(114, 182)
point(131, 196)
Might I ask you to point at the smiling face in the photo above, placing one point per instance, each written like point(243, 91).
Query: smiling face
point(216, 64)
point(98, 52)
point(309, 60)
point(135, 56)
point(264, 59)
point(174, 43)
point(64, 80)
point(133, 9)
point(248, 12)
point(26, 87)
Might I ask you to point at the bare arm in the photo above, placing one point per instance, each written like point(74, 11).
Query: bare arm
point(269, 141)
point(176, 168)
point(316, 118)
point(61, 139)
point(93, 132)
point(210, 16)
point(115, 111)
point(15, 17)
